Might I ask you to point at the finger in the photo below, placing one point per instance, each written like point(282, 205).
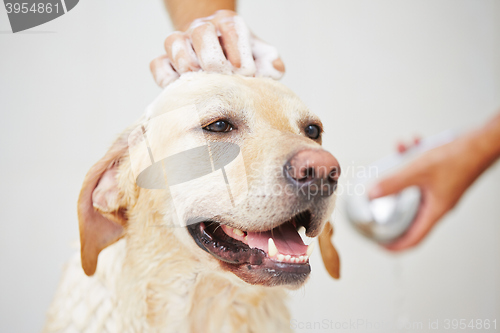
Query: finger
point(163, 72)
point(401, 147)
point(207, 47)
point(395, 183)
point(267, 60)
point(223, 13)
point(180, 53)
point(236, 43)
point(425, 220)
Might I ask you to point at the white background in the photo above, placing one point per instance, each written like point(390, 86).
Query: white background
point(374, 71)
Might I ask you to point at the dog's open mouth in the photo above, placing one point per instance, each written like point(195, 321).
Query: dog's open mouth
point(276, 256)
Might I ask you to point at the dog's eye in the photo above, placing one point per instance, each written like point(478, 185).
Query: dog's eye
point(312, 131)
point(219, 126)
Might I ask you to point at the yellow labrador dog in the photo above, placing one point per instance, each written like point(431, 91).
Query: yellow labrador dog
point(195, 214)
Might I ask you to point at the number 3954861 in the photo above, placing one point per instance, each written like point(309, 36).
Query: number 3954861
point(37, 8)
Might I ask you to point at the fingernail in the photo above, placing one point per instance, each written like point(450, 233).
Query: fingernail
point(279, 65)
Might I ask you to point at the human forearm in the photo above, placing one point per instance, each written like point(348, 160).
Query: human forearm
point(443, 175)
point(485, 143)
point(183, 12)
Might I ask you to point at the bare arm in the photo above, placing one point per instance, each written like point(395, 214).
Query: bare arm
point(489, 141)
point(443, 175)
point(183, 12)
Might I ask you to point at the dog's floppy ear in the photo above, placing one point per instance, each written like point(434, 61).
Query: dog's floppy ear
point(100, 213)
point(328, 252)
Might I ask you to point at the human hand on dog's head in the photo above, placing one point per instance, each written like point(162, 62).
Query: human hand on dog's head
point(221, 43)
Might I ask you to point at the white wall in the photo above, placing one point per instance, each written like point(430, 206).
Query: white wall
point(375, 72)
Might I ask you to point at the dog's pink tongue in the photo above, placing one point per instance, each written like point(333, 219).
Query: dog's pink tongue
point(286, 238)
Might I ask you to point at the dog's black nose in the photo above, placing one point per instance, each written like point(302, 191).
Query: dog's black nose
point(314, 172)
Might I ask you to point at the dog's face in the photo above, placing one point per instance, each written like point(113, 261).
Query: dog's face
point(236, 168)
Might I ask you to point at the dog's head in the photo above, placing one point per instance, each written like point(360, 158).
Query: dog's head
point(234, 166)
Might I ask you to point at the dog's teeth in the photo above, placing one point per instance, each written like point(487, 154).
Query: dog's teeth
point(303, 258)
point(280, 257)
point(238, 232)
point(287, 257)
point(310, 249)
point(272, 249)
point(302, 233)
